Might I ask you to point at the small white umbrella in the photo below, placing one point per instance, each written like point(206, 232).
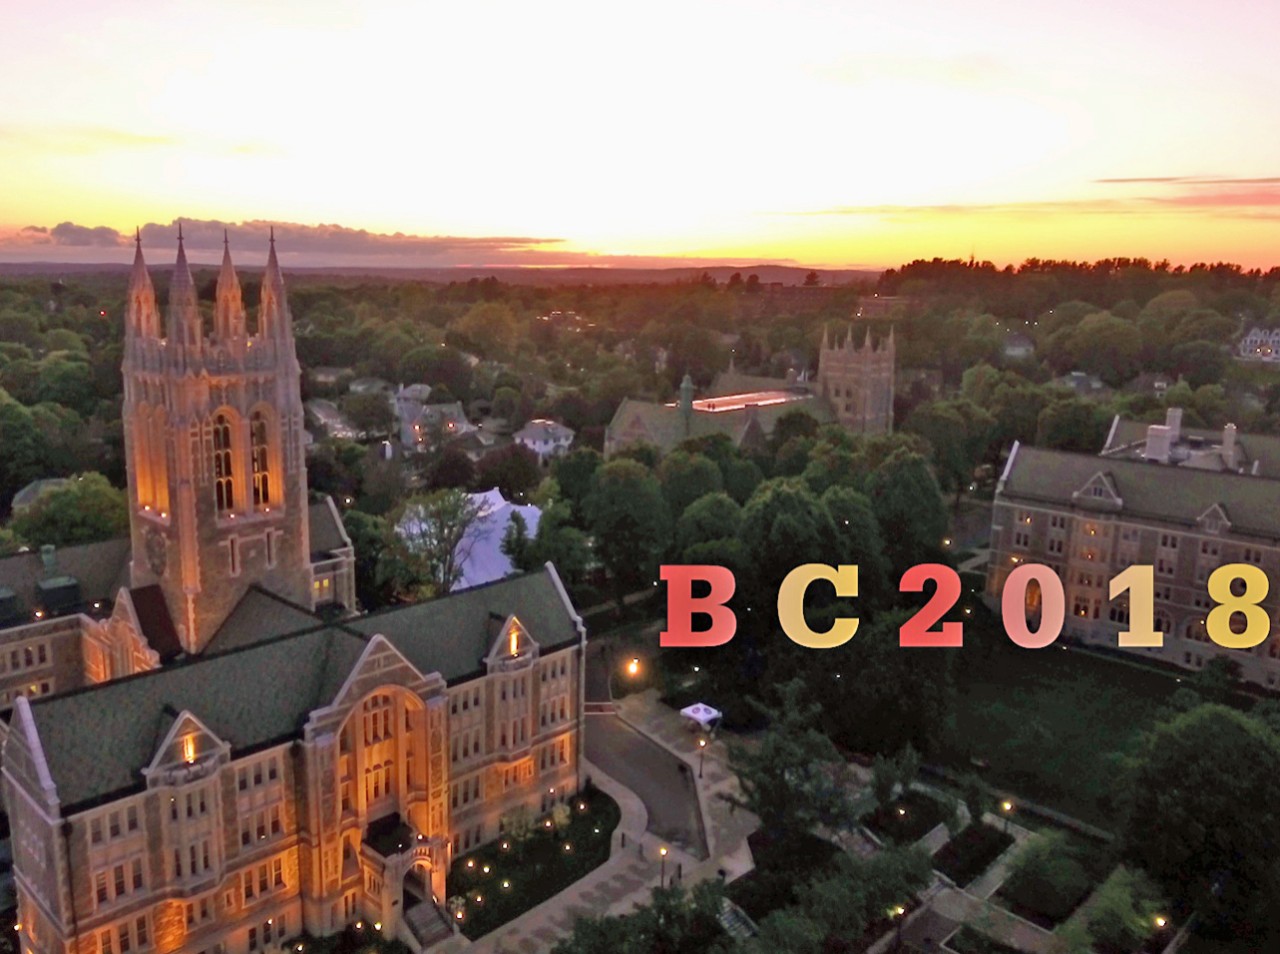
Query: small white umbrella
point(702, 714)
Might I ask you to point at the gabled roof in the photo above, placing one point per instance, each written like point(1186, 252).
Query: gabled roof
point(326, 530)
point(97, 740)
point(260, 615)
point(665, 426)
point(100, 568)
point(1175, 495)
point(452, 636)
point(155, 622)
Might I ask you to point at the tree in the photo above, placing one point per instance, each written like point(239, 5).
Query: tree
point(451, 468)
point(687, 477)
point(793, 779)
point(1202, 809)
point(575, 474)
point(1123, 911)
point(859, 541)
point(783, 526)
point(370, 414)
point(714, 516)
point(1046, 875)
point(432, 538)
point(518, 827)
point(811, 280)
point(1219, 681)
point(958, 432)
point(676, 921)
point(333, 467)
point(515, 541)
point(86, 510)
point(1072, 424)
point(506, 405)
point(557, 542)
point(368, 535)
point(975, 795)
point(628, 517)
point(908, 507)
point(512, 469)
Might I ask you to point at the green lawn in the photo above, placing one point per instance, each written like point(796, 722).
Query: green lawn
point(1052, 724)
point(499, 884)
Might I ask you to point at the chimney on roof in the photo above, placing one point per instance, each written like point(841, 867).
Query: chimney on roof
point(1173, 421)
point(49, 557)
point(1229, 446)
point(1159, 443)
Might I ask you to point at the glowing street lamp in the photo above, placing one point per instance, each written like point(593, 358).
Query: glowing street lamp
point(662, 880)
point(1006, 808)
point(633, 667)
point(702, 754)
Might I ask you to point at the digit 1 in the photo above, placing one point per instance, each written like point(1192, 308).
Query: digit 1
point(1053, 606)
point(916, 631)
point(1139, 581)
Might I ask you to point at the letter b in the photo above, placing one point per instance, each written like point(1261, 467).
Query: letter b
point(682, 604)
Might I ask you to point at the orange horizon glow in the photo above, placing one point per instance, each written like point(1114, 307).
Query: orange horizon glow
point(848, 135)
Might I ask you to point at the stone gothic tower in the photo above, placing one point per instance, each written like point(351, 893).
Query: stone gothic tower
point(214, 447)
point(859, 382)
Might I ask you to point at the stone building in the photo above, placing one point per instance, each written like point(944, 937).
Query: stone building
point(854, 387)
point(1184, 504)
point(269, 767)
point(217, 494)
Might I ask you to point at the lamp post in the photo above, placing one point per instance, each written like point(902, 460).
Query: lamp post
point(1006, 808)
point(702, 754)
point(898, 912)
point(662, 880)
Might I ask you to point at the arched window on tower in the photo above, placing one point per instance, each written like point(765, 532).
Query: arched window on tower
point(260, 449)
point(224, 481)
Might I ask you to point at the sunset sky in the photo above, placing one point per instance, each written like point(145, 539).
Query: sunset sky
point(830, 134)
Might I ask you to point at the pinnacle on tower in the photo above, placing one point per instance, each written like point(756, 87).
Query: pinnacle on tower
point(866, 346)
point(273, 313)
point(184, 311)
point(229, 311)
point(141, 316)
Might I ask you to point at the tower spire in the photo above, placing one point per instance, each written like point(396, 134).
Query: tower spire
point(183, 324)
point(228, 321)
point(273, 313)
point(141, 314)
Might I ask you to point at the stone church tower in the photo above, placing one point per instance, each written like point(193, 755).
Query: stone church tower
point(859, 382)
point(213, 427)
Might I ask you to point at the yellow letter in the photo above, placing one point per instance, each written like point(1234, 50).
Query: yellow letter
point(791, 604)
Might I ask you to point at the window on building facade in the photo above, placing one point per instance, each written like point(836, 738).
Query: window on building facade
point(223, 473)
point(259, 448)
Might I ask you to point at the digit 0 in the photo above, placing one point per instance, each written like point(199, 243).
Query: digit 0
point(1049, 599)
point(1257, 621)
point(917, 631)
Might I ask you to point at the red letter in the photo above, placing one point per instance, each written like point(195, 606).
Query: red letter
point(682, 604)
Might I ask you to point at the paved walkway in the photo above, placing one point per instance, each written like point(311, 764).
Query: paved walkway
point(627, 879)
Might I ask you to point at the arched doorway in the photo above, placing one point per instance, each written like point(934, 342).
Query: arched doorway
point(420, 912)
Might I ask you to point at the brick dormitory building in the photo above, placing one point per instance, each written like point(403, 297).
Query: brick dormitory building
point(1184, 501)
point(206, 751)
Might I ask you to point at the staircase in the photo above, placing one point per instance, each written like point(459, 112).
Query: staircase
point(426, 924)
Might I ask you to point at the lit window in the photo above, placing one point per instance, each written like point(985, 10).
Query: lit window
point(224, 482)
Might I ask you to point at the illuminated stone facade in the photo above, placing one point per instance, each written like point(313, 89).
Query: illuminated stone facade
point(268, 769)
point(301, 783)
point(858, 382)
point(214, 448)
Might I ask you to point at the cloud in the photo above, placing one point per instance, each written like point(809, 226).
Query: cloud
point(319, 246)
point(1192, 180)
point(68, 233)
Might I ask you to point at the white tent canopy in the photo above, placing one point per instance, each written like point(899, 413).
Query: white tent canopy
point(702, 714)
